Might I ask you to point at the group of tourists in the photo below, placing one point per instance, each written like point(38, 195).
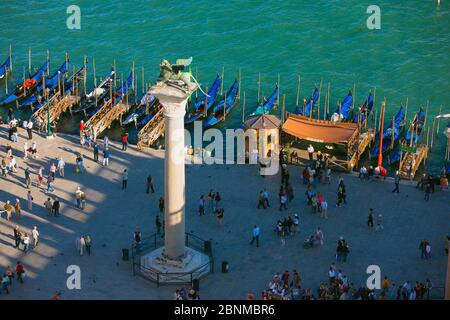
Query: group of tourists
point(6, 281)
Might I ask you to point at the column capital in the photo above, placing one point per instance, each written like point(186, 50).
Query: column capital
point(172, 98)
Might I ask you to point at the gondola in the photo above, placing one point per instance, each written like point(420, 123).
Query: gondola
point(5, 67)
point(309, 104)
point(69, 85)
point(366, 109)
point(218, 110)
point(50, 85)
point(343, 110)
point(139, 110)
point(268, 104)
point(95, 96)
point(25, 89)
point(198, 109)
point(117, 96)
point(416, 127)
point(387, 134)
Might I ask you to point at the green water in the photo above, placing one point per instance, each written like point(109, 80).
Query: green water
point(329, 40)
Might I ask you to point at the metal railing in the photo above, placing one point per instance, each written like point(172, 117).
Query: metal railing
point(156, 241)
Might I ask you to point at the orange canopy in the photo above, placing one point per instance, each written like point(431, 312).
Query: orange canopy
point(318, 130)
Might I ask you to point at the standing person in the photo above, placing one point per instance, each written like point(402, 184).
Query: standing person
point(83, 200)
point(319, 236)
point(105, 142)
point(161, 204)
point(53, 171)
point(427, 251)
point(255, 235)
point(428, 287)
point(106, 154)
point(397, 182)
point(125, 141)
point(78, 194)
point(25, 150)
point(35, 234)
point(296, 223)
point(370, 219)
point(8, 209)
point(379, 222)
point(158, 225)
point(30, 130)
point(217, 199)
point(201, 205)
point(88, 244)
point(124, 179)
point(283, 201)
point(310, 150)
point(55, 207)
point(82, 127)
point(49, 206)
point(60, 167)
point(150, 184)
point(261, 201)
point(80, 244)
point(25, 242)
point(28, 178)
point(96, 151)
point(427, 192)
point(20, 270)
point(17, 236)
point(324, 209)
point(211, 196)
point(422, 247)
point(30, 200)
point(40, 176)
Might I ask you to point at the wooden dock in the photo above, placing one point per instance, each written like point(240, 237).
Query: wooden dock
point(410, 162)
point(103, 119)
point(364, 141)
point(57, 105)
point(152, 129)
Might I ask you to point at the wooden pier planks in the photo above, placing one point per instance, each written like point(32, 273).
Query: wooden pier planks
point(57, 107)
point(412, 161)
point(103, 119)
point(152, 130)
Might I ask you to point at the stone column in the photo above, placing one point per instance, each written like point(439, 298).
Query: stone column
point(174, 102)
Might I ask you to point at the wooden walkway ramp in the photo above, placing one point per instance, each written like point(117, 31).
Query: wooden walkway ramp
point(103, 119)
point(364, 140)
point(152, 129)
point(410, 162)
point(57, 107)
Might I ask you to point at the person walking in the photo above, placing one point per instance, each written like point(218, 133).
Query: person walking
point(379, 222)
point(427, 251)
point(80, 244)
point(17, 236)
point(422, 248)
point(55, 207)
point(296, 223)
point(78, 194)
point(50, 180)
point(25, 150)
point(20, 270)
point(53, 171)
point(201, 205)
point(150, 184)
point(370, 219)
point(255, 235)
point(25, 242)
point(220, 214)
point(35, 235)
point(28, 178)
point(397, 182)
point(30, 129)
point(106, 154)
point(158, 225)
point(266, 197)
point(310, 150)
point(261, 201)
point(88, 244)
point(124, 179)
point(61, 165)
point(125, 141)
point(30, 200)
point(96, 151)
point(49, 206)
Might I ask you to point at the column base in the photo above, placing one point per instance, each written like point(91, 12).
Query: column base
point(158, 267)
point(49, 137)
